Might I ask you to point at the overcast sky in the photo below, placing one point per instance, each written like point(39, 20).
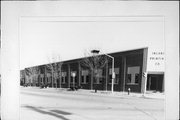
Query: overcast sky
point(70, 37)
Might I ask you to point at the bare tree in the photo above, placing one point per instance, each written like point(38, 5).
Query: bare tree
point(55, 67)
point(32, 73)
point(94, 63)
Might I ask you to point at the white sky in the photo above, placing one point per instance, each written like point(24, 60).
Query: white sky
point(70, 37)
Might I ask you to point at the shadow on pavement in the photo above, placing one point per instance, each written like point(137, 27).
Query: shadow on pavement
point(50, 113)
point(61, 112)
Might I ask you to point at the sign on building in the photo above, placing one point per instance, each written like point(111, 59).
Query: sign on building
point(156, 60)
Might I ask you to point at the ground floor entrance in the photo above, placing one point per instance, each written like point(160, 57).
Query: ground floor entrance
point(155, 82)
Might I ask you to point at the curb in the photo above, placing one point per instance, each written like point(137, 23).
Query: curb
point(101, 93)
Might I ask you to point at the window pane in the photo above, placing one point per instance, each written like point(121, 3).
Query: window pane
point(136, 78)
point(129, 78)
point(87, 79)
point(110, 78)
point(133, 74)
point(65, 79)
point(100, 80)
point(117, 78)
point(84, 72)
point(116, 70)
point(82, 79)
point(76, 79)
point(94, 80)
point(71, 79)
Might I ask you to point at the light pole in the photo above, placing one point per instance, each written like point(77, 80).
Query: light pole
point(113, 74)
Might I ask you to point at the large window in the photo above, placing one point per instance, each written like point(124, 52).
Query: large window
point(116, 80)
point(42, 78)
point(98, 75)
point(55, 76)
point(133, 75)
point(129, 78)
point(64, 77)
point(49, 77)
point(35, 78)
point(136, 77)
point(84, 76)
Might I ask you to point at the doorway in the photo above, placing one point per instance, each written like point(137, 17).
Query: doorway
point(155, 82)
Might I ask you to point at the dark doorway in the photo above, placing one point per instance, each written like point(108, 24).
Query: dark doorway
point(155, 82)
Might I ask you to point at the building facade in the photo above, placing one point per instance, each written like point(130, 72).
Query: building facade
point(130, 69)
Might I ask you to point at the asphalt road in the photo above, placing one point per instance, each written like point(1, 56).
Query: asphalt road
point(39, 104)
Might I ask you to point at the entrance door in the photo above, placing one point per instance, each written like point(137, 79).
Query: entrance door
point(155, 82)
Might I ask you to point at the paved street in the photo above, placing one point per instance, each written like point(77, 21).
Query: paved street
point(56, 104)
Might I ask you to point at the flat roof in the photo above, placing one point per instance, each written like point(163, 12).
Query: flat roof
point(122, 51)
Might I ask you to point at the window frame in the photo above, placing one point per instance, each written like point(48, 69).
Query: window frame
point(84, 74)
point(131, 81)
point(97, 81)
point(63, 77)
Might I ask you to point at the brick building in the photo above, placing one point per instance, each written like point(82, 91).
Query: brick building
point(130, 72)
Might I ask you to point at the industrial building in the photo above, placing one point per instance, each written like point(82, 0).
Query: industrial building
point(137, 69)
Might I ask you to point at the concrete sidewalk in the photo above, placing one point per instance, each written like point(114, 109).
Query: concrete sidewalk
point(148, 95)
